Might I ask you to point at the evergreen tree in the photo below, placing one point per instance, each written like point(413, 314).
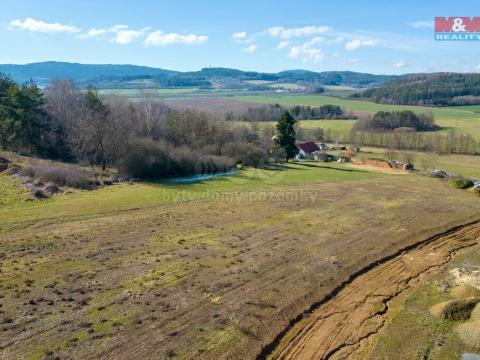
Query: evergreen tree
point(6, 107)
point(24, 118)
point(286, 135)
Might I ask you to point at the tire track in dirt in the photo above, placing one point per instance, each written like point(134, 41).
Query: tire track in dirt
point(336, 326)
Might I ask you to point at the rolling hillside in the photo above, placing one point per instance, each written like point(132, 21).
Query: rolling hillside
point(438, 89)
point(132, 76)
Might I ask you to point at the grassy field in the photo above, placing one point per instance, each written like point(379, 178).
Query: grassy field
point(454, 164)
point(149, 194)
point(463, 119)
point(339, 126)
point(204, 270)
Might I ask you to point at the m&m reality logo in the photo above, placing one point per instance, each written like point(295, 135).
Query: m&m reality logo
point(459, 28)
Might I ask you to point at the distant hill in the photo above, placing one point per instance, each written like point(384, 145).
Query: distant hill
point(336, 77)
point(440, 89)
point(132, 76)
point(42, 72)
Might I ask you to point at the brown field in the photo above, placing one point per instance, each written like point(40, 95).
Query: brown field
point(119, 273)
point(212, 104)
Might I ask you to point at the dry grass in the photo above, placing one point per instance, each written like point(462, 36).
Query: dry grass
point(475, 313)
point(470, 333)
point(465, 291)
point(455, 310)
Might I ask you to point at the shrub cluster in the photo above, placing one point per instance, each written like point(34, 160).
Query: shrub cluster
point(461, 183)
point(246, 153)
point(60, 176)
point(154, 160)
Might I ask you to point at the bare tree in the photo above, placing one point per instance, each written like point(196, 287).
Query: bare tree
point(408, 157)
point(147, 111)
point(390, 153)
point(65, 104)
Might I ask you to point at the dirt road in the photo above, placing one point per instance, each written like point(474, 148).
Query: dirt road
point(356, 311)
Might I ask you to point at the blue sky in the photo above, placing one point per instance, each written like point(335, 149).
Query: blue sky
point(263, 35)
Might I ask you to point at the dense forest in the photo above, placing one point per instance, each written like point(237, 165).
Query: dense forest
point(384, 121)
point(273, 112)
point(439, 89)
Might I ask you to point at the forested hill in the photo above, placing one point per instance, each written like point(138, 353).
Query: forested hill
point(42, 72)
point(439, 89)
point(131, 76)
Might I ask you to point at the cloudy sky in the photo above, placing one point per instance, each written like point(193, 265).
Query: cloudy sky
point(262, 35)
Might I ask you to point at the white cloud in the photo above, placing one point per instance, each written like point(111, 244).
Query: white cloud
point(400, 64)
point(126, 36)
point(289, 33)
point(355, 44)
point(251, 49)
point(477, 68)
point(306, 52)
point(43, 27)
point(283, 44)
point(159, 38)
point(337, 40)
point(428, 24)
point(315, 41)
point(242, 35)
point(92, 33)
point(121, 34)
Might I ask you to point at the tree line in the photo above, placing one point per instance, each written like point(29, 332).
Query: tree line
point(446, 143)
point(273, 112)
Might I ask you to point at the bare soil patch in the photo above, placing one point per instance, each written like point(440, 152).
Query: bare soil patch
point(339, 326)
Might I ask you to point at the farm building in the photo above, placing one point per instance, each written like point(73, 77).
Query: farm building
point(307, 150)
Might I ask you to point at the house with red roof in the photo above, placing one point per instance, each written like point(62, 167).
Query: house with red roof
point(307, 150)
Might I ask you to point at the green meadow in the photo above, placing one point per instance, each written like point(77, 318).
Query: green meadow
point(462, 165)
point(337, 126)
point(14, 208)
